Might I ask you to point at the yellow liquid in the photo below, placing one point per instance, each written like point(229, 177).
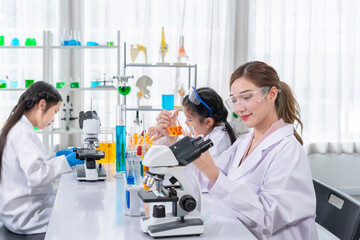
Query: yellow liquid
point(110, 152)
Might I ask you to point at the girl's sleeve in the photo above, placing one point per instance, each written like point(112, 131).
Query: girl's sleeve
point(37, 169)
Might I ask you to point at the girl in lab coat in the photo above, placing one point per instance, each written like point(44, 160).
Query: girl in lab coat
point(26, 173)
point(264, 178)
point(207, 115)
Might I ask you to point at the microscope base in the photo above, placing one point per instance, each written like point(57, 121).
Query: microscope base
point(81, 173)
point(166, 227)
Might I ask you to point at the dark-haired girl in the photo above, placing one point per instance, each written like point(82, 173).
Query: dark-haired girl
point(206, 113)
point(26, 173)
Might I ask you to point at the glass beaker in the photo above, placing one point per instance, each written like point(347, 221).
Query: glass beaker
point(167, 100)
point(107, 144)
point(175, 128)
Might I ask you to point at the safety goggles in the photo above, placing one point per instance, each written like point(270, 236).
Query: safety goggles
point(195, 99)
point(246, 100)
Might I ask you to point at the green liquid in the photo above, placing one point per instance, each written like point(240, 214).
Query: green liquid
point(124, 90)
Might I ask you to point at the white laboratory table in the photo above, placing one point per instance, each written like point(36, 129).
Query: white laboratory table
point(94, 210)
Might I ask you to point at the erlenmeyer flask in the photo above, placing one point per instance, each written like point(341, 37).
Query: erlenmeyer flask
point(72, 39)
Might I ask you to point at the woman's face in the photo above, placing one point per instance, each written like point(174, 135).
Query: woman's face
point(253, 115)
point(45, 118)
point(194, 121)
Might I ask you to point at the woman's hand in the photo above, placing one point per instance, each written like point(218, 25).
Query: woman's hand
point(206, 165)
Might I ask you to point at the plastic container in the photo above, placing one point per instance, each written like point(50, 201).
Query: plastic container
point(28, 82)
point(30, 42)
point(3, 84)
point(74, 85)
point(15, 42)
point(60, 84)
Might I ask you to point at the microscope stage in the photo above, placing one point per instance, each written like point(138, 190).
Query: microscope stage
point(149, 196)
point(83, 154)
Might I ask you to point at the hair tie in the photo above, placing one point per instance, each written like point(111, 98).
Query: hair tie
point(29, 104)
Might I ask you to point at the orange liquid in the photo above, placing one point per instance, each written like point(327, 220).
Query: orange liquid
point(175, 131)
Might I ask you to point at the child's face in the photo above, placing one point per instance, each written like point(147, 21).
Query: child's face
point(194, 121)
point(45, 118)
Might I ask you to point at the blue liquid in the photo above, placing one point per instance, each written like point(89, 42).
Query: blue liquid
point(14, 84)
point(94, 84)
point(168, 101)
point(120, 149)
point(128, 199)
point(15, 42)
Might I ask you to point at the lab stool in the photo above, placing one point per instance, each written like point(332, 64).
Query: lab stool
point(5, 234)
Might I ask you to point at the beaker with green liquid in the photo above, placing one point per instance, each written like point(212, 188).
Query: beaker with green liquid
point(124, 90)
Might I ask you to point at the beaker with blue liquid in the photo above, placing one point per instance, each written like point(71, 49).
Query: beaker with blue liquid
point(167, 100)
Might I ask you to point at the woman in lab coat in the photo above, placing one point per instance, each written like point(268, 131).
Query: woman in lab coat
point(264, 178)
point(26, 173)
point(206, 115)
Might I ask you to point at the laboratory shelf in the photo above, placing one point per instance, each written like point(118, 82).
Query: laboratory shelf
point(160, 65)
point(155, 108)
point(22, 47)
point(99, 88)
point(83, 47)
point(61, 130)
point(13, 89)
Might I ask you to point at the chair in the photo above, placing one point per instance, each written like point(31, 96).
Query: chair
point(5, 234)
point(337, 212)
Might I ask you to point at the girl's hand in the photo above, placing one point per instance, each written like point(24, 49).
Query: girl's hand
point(206, 165)
point(154, 133)
point(165, 120)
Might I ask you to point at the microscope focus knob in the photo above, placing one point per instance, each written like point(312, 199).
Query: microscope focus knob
point(188, 203)
point(159, 211)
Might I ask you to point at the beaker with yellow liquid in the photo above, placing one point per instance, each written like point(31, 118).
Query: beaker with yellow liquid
point(107, 144)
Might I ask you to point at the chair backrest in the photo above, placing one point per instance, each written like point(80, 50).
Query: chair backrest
point(336, 211)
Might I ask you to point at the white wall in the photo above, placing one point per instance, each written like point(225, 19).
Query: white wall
point(340, 171)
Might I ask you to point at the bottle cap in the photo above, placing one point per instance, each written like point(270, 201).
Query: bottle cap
point(139, 150)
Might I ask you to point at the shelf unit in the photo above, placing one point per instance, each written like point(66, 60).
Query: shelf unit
point(190, 67)
point(80, 91)
point(47, 76)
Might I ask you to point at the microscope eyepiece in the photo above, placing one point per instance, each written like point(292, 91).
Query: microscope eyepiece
point(186, 150)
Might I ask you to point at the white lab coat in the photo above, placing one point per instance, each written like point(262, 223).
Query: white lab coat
point(26, 195)
point(272, 191)
point(222, 142)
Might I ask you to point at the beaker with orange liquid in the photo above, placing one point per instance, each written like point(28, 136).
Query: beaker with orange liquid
point(175, 128)
point(107, 144)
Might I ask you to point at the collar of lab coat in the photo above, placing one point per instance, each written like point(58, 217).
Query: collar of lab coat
point(258, 154)
point(27, 122)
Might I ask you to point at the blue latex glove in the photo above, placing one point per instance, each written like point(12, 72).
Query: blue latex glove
point(72, 160)
point(65, 151)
